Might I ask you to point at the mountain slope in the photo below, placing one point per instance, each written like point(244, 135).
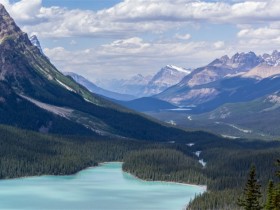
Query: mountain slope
point(144, 86)
point(165, 78)
point(46, 100)
point(97, 90)
point(258, 118)
point(193, 88)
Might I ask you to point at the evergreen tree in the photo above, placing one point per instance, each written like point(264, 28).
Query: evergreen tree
point(251, 196)
point(276, 198)
point(277, 165)
point(276, 191)
point(270, 201)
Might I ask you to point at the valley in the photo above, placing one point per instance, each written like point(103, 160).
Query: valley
point(173, 131)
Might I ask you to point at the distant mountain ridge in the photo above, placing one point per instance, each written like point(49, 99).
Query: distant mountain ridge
point(143, 86)
point(168, 76)
point(201, 85)
point(236, 97)
point(97, 90)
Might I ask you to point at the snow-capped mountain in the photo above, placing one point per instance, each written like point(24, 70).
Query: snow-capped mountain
point(165, 78)
point(273, 59)
point(243, 77)
point(240, 62)
point(193, 88)
point(141, 86)
point(35, 41)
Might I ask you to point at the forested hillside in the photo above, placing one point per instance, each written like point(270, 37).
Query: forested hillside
point(227, 166)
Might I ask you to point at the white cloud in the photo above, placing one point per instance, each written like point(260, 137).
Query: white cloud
point(126, 57)
point(183, 36)
point(260, 33)
point(24, 11)
point(131, 17)
point(219, 45)
point(129, 21)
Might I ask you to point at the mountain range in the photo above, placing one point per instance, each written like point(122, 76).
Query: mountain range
point(230, 96)
point(33, 89)
point(163, 79)
point(36, 96)
point(216, 95)
point(52, 125)
point(144, 86)
point(222, 79)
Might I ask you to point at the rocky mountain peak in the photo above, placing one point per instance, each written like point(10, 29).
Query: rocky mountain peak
point(273, 59)
point(239, 61)
point(242, 58)
point(35, 41)
point(224, 58)
point(165, 78)
point(7, 25)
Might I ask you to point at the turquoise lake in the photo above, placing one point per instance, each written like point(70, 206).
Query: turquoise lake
point(104, 187)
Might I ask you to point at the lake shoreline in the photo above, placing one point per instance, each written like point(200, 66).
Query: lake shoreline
point(58, 191)
point(204, 187)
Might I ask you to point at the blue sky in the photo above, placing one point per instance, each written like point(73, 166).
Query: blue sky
point(107, 39)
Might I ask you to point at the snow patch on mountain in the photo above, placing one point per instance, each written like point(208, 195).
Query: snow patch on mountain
point(273, 99)
point(202, 162)
point(178, 69)
point(235, 127)
point(35, 41)
point(273, 59)
point(65, 86)
point(165, 78)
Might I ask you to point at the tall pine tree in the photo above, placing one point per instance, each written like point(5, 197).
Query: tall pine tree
point(270, 198)
point(251, 196)
point(276, 191)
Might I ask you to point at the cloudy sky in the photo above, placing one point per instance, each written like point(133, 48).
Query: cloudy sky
point(120, 38)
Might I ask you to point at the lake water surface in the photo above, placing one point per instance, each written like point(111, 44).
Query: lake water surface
point(102, 188)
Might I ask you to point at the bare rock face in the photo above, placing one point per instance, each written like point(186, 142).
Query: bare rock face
point(17, 54)
point(35, 41)
point(8, 27)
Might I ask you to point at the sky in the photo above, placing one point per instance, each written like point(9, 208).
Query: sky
point(116, 39)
